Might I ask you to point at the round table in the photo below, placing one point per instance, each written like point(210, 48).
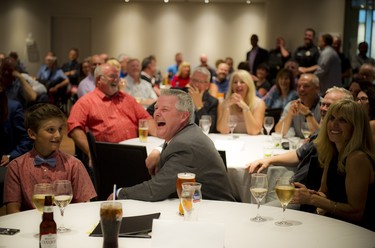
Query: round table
point(310, 230)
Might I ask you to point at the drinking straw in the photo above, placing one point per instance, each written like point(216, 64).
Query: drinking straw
point(114, 192)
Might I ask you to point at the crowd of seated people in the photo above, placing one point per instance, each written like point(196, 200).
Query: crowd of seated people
point(113, 94)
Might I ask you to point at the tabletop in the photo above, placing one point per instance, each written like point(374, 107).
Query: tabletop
point(309, 230)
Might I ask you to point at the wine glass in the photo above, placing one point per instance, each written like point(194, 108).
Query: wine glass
point(207, 117)
point(63, 195)
point(258, 188)
point(232, 123)
point(39, 193)
point(268, 123)
point(204, 124)
point(191, 198)
point(284, 190)
point(305, 129)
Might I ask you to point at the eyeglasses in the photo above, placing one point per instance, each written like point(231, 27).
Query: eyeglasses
point(325, 104)
point(193, 80)
point(110, 77)
point(362, 99)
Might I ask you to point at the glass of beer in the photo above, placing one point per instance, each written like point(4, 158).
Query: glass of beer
point(143, 130)
point(39, 193)
point(182, 178)
point(110, 220)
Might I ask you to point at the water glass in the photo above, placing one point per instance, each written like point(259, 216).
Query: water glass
point(293, 143)
point(276, 138)
point(191, 198)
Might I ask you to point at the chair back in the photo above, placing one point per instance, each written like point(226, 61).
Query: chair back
point(123, 165)
point(224, 158)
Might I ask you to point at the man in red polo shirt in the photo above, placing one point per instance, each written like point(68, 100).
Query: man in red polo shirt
point(111, 115)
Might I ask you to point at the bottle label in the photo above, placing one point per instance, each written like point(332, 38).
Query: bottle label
point(48, 209)
point(48, 241)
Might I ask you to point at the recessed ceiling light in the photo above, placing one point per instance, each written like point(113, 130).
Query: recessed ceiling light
point(126, 1)
point(206, 1)
point(248, 1)
point(166, 1)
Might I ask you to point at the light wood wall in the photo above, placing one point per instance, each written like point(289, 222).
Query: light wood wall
point(140, 29)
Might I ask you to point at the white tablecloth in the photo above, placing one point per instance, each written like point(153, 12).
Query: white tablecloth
point(310, 230)
point(240, 151)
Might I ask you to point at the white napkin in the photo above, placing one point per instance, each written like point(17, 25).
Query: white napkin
point(187, 234)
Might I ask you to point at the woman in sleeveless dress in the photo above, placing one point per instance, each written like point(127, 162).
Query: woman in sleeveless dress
point(242, 102)
point(347, 153)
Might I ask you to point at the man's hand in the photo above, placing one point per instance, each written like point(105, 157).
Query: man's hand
point(110, 197)
point(196, 96)
point(4, 160)
point(152, 162)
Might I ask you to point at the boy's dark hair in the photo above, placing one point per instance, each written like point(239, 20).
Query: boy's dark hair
point(41, 112)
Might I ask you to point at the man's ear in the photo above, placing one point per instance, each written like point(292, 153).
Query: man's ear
point(31, 134)
point(185, 116)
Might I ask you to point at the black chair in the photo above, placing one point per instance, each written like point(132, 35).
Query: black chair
point(224, 158)
point(123, 165)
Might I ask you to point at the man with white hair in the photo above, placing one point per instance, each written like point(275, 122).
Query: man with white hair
point(186, 149)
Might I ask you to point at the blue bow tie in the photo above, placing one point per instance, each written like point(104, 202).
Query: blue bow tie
point(50, 161)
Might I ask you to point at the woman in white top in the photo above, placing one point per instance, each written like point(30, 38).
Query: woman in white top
point(242, 102)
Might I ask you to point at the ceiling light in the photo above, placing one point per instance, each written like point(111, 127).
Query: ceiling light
point(126, 1)
point(248, 1)
point(166, 1)
point(206, 1)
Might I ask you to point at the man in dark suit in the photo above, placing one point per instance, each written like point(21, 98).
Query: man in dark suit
point(186, 149)
point(256, 55)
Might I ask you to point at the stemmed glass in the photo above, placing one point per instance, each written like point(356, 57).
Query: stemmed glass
point(191, 199)
point(63, 195)
point(284, 191)
point(258, 188)
point(39, 193)
point(305, 129)
point(268, 123)
point(209, 119)
point(232, 123)
point(204, 124)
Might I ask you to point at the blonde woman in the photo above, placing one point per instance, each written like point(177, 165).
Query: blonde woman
point(182, 77)
point(346, 152)
point(242, 102)
point(117, 65)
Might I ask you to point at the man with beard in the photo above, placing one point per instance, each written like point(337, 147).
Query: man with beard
point(221, 79)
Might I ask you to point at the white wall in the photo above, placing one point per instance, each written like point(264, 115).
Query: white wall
point(219, 30)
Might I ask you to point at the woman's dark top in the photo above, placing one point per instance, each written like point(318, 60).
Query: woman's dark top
point(337, 193)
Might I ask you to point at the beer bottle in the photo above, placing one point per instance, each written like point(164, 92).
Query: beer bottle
point(47, 228)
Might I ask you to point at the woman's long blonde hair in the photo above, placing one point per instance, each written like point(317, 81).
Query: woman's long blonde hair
point(181, 66)
point(250, 94)
point(361, 138)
